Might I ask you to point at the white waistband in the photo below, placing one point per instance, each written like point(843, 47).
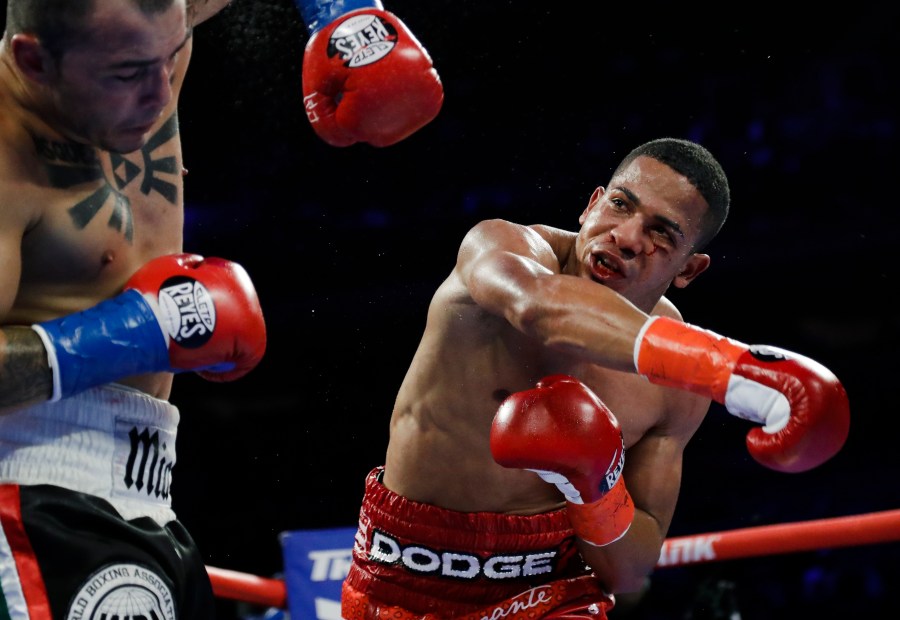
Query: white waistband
point(112, 441)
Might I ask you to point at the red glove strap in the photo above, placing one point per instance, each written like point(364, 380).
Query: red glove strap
point(606, 520)
point(675, 354)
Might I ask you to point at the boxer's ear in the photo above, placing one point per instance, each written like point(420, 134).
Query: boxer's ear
point(595, 198)
point(31, 58)
point(695, 265)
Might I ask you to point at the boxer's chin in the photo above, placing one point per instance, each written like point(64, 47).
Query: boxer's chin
point(126, 140)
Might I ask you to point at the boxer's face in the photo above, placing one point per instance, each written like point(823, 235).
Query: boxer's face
point(112, 85)
point(637, 236)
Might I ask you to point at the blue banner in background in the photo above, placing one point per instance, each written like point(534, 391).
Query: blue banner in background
point(315, 564)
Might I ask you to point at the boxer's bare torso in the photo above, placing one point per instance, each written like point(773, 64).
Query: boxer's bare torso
point(77, 220)
point(468, 362)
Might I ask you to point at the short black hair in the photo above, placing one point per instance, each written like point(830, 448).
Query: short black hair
point(57, 23)
point(701, 168)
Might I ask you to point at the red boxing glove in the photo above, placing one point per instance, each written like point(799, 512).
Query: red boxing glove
point(564, 433)
point(366, 78)
point(208, 310)
point(802, 405)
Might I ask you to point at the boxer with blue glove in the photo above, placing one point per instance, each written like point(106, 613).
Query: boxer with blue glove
point(99, 308)
point(105, 451)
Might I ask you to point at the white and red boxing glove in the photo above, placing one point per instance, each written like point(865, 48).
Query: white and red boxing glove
point(179, 312)
point(564, 433)
point(366, 78)
point(801, 404)
point(210, 312)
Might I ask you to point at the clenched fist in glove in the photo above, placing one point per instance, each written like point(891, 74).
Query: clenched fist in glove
point(802, 406)
point(366, 78)
point(179, 312)
point(565, 434)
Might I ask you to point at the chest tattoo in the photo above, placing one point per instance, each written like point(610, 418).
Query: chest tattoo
point(69, 164)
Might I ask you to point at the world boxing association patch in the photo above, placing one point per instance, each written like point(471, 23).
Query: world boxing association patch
point(125, 592)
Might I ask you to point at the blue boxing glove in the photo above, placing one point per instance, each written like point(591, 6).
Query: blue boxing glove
point(366, 78)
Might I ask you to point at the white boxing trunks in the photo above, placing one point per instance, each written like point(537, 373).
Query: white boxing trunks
point(111, 442)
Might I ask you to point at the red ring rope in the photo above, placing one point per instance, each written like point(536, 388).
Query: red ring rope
point(749, 542)
point(874, 527)
point(248, 588)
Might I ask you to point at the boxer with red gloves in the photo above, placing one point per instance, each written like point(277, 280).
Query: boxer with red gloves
point(178, 312)
point(553, 370)
point(366, 78)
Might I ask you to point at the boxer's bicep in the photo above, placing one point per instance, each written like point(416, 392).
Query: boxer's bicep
point(500, 263)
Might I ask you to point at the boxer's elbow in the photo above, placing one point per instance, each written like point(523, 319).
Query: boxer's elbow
point(630, 582)
point(621, 576)
point(625, 565)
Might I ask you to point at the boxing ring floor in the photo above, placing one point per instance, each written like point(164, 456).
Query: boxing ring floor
point(771, 543)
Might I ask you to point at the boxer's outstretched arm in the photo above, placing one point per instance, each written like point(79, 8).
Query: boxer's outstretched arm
point(509, 270)
point(512, 272)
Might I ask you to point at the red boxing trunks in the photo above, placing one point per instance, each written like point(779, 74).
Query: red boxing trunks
point(414, 561)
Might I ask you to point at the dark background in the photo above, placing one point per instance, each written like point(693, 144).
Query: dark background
point(541, 102)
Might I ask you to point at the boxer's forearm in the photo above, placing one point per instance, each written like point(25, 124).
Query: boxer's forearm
point(25, 376)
